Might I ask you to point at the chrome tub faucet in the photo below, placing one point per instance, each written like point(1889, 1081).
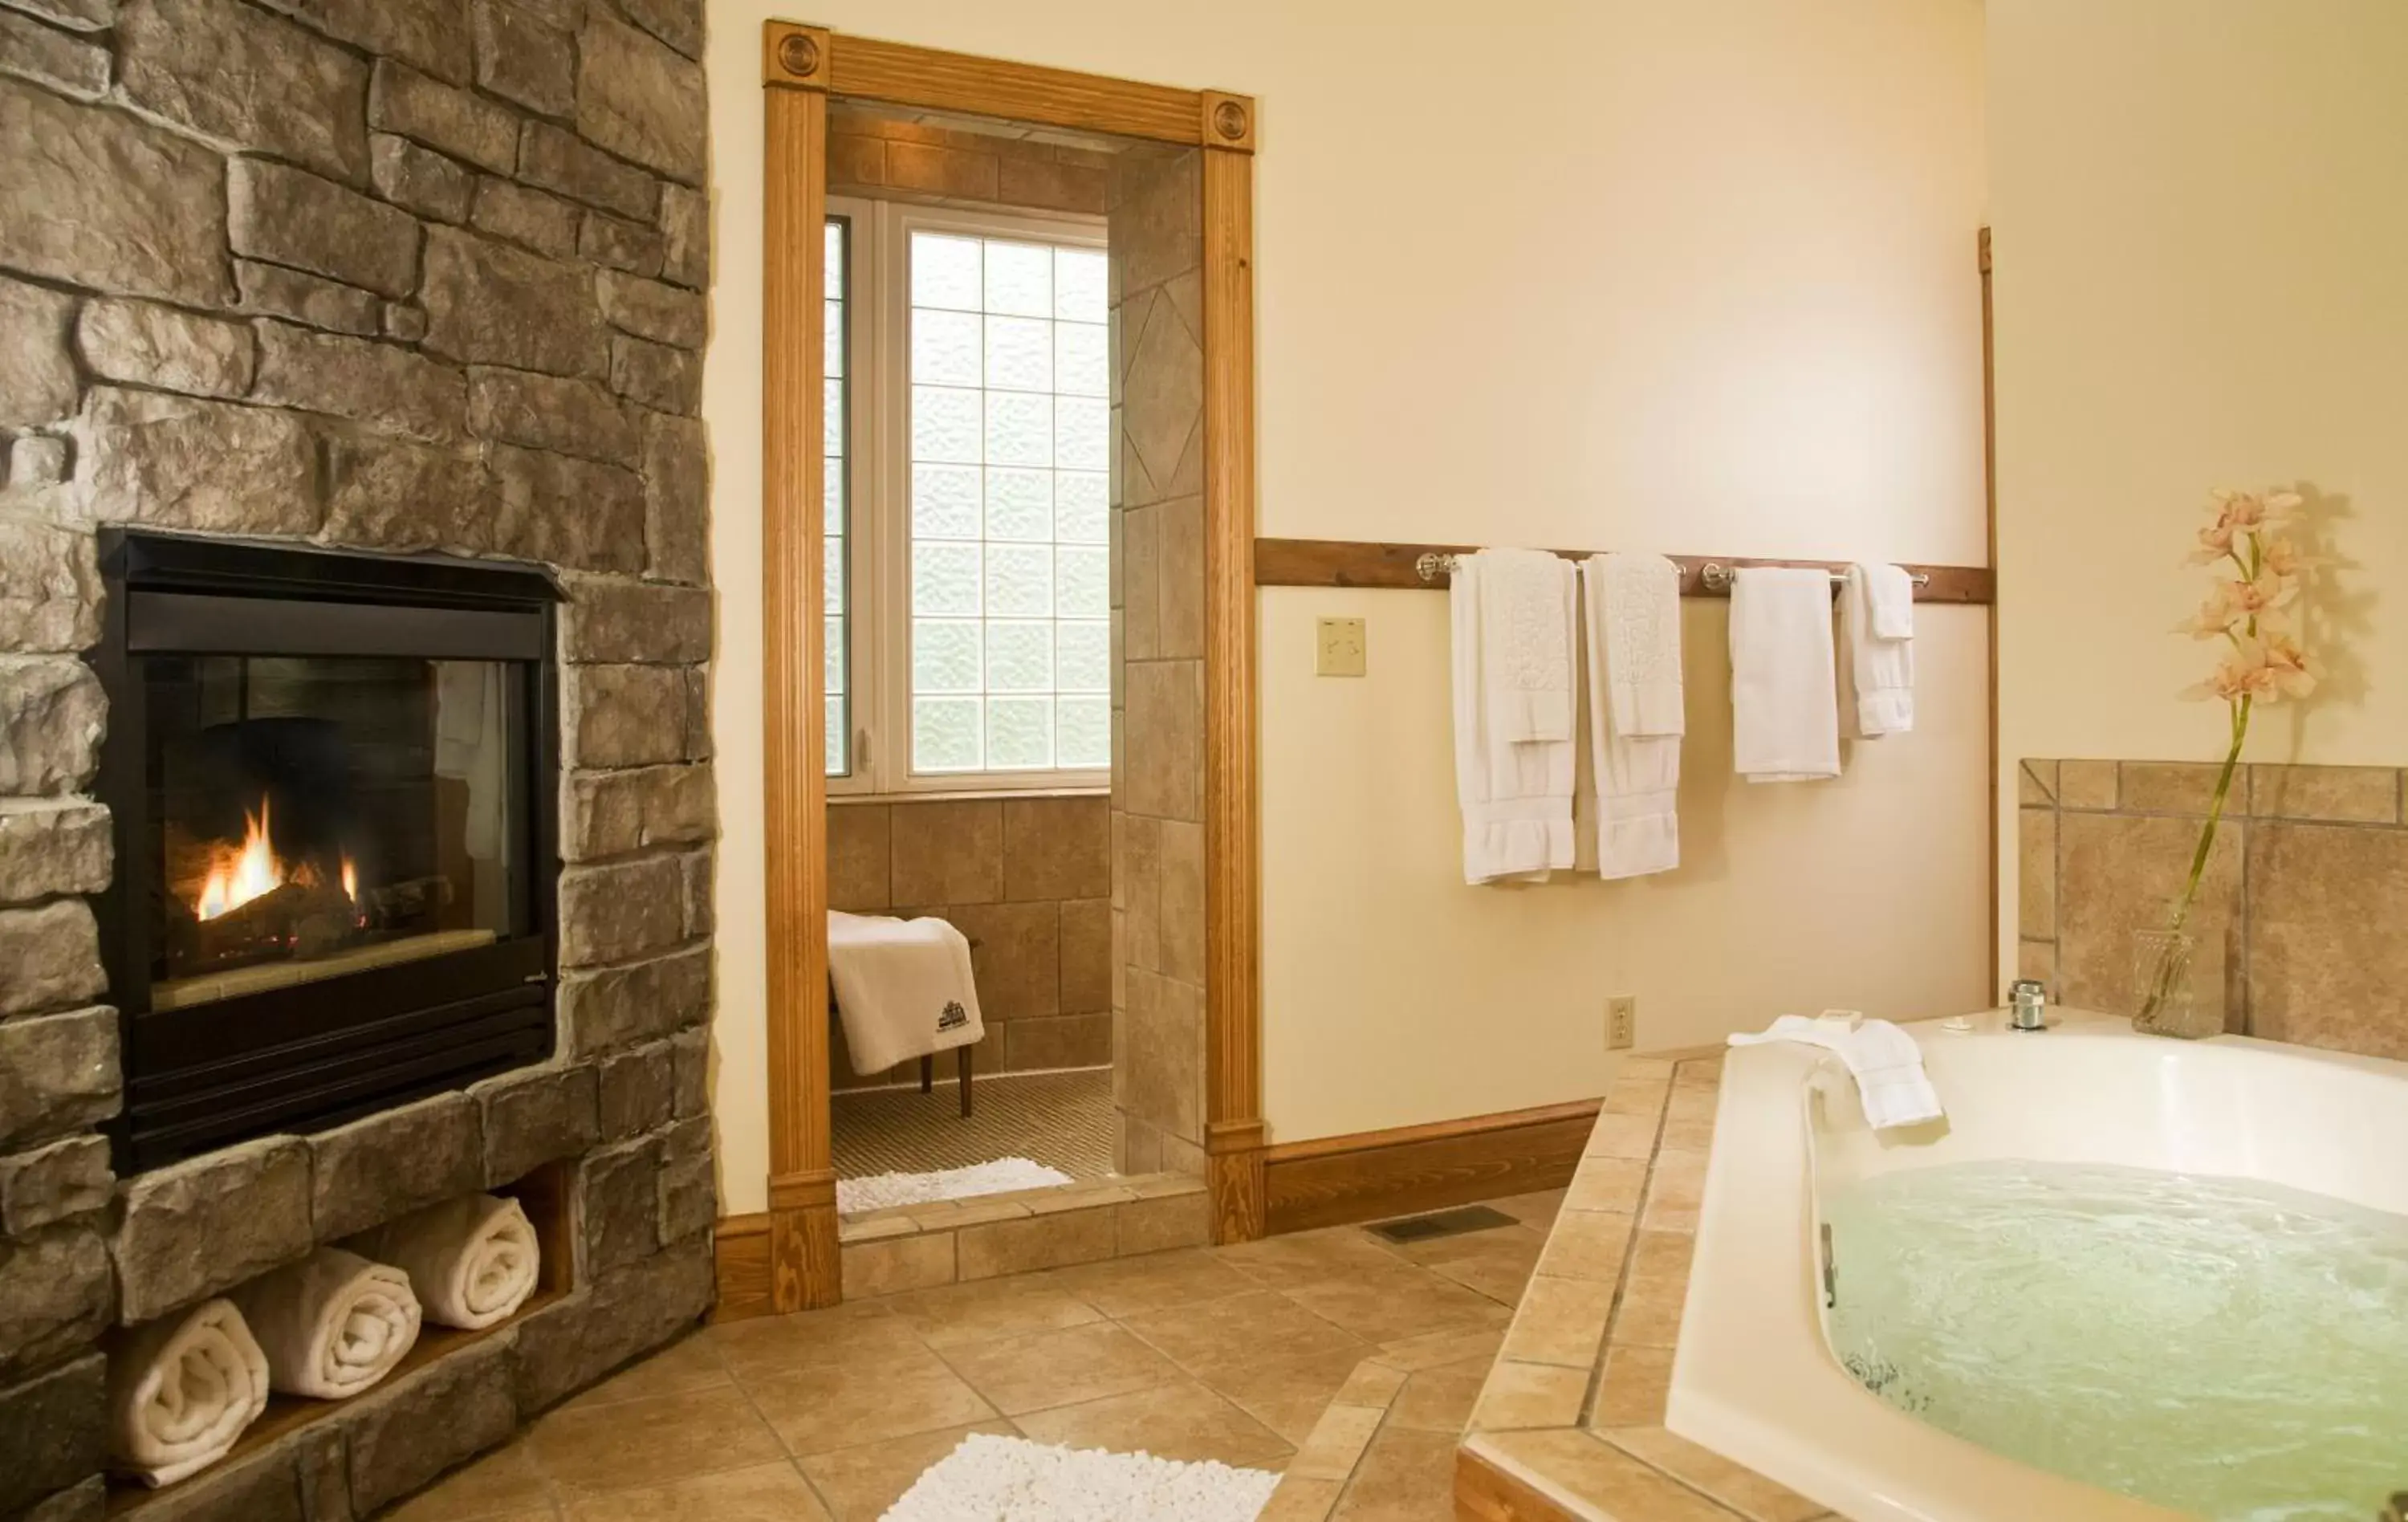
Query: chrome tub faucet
point(2028, 1003)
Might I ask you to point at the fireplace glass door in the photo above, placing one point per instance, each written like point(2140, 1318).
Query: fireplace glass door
point(334, 782)
point(314, 816)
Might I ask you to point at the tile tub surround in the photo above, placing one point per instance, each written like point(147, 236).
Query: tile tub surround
point(1569, 1421)
point(2296, 914)
point(417, 275)
point(1231, 1354)
point(1029, 881)
point(1156, 221)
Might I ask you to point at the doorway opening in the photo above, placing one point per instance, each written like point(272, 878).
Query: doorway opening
point(1015, 641)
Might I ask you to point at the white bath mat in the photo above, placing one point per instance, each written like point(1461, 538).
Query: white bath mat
point(998, 1479)
point(885, 1190)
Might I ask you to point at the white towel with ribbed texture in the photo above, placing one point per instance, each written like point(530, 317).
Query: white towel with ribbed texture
point(1884, 1061)
point(1526, 643)
point(1516, 794)
point(472, 1260)
point(180, 1390)
point(903, 988)
point(1877, 626)
point(333, 1324)
point(1784, 706)
point(1635, 710)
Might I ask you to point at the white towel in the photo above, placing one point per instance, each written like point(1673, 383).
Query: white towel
point(1877, 624)
point(1635, 718)
point(333, 1324)
point(1884, 1061)
point(903, 988)
point(471, 1261)
point(1526, 643)
point(1516, 794)
point(180, 1390)
point(1785, 709)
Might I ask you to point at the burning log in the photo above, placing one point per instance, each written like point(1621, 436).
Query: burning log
point(294, 918)
point(395, 904)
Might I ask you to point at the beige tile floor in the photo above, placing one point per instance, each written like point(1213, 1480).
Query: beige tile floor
point(1228, 1353)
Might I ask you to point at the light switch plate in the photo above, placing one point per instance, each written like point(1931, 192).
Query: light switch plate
point(1339, 649)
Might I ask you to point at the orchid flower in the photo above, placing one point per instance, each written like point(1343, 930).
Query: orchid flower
point(2240, 607)
point(2238, 515)
point(2290, 670)
point(2264, 663)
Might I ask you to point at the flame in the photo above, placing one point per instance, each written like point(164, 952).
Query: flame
point(237, 875)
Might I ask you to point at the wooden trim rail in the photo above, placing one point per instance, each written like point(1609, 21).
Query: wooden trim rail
point(1366, 563)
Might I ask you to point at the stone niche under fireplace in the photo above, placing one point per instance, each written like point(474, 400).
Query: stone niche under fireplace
point(400, 279)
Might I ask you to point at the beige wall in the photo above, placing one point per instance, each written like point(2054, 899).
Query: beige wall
point(2199, 223)
point(1393, 994)
point(1701, 280)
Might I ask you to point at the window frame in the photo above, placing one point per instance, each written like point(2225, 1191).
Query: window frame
point(877, 494)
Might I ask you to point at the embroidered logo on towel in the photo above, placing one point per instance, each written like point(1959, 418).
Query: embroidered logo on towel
point(954, 1015)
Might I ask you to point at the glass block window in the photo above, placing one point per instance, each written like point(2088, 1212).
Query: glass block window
point(836, 652)
point(1007, 454)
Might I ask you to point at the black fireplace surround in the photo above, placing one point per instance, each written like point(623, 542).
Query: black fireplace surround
point(333, 783)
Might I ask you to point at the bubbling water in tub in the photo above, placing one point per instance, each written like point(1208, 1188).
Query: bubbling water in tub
point(2234, 1350)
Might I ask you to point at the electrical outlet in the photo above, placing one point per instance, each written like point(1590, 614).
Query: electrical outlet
point(1621, 1023)
point(1339, 652)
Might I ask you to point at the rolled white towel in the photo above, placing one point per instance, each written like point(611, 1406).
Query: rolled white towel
point(472, 1260)
point(333, 1324)
point(181, 1390)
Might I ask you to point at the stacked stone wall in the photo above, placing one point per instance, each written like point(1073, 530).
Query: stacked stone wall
point(393, 274)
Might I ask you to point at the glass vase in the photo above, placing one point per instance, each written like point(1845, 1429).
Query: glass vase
point(2161, 997)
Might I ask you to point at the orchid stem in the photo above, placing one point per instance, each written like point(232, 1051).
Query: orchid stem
point(2214, 812)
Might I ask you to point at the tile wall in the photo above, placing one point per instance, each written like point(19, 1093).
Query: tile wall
point(927, 157)
point(2299, 911)
point(1157, 251)
point(1028, 881)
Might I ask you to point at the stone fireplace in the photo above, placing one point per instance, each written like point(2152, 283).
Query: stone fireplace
point(384, 311)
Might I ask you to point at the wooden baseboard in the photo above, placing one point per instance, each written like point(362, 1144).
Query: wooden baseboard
point(742, 1257)
point(1373, 1175)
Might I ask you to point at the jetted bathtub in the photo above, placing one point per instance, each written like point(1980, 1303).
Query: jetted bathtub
point(1755, 1377)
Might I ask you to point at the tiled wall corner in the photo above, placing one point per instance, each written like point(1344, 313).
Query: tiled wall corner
point(1156, 228)
point(1028, 881)
point(2309, 869)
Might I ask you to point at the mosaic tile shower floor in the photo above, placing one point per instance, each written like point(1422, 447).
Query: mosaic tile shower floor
point(1061, 1119)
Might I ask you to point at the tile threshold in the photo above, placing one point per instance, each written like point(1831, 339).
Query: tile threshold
point(911, 1247)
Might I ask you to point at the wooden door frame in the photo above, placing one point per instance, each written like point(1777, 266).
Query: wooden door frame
point(801, 67)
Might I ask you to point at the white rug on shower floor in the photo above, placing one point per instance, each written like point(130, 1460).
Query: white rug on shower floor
point(999, 1479)
point(881, 1191)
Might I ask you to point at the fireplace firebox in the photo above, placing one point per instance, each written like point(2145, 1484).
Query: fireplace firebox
point(334, 782)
